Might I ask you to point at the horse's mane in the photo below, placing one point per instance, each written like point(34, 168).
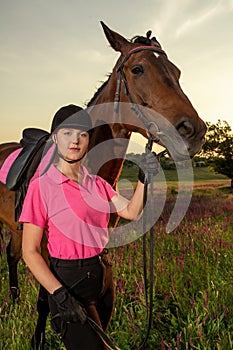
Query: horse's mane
point(146, 40)
point(98, 91)
point(136, 39)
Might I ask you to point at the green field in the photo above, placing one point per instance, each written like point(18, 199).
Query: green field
point(193, 296)
point(200, 174)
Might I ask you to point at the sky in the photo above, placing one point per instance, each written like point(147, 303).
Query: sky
point(54, 52)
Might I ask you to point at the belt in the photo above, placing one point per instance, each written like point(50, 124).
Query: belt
point(75, 262)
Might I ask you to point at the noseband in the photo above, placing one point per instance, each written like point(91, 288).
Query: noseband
point(121, 78)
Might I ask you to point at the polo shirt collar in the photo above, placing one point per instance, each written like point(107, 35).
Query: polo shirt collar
point(56, 176)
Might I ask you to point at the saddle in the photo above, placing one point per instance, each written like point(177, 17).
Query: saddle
point(23, 168)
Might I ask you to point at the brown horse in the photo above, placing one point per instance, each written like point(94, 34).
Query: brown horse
point(143, 86)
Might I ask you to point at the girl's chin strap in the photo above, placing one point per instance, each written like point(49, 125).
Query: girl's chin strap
point(70, 161)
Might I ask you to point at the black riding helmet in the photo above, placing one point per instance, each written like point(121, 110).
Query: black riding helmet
point(73, 117)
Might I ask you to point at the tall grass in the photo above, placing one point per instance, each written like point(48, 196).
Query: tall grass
point(193, 296)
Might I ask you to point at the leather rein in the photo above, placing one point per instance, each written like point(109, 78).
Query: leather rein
point(148, 282)
point(121, 78)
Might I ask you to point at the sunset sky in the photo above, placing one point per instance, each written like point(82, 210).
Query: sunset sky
point(54, 52)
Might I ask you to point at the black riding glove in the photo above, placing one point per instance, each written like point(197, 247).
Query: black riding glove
point(148, 165)
point(69, 309)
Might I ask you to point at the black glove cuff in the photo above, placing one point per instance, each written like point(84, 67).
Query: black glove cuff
point(141, 176)
point(57, 291)
point(59, 295)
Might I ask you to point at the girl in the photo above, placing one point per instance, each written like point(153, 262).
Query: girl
point(73, 208)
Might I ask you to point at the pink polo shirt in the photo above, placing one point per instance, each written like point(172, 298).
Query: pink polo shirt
point(75, 217)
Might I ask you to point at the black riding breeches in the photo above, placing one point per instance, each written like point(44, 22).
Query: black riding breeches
point(85, 278)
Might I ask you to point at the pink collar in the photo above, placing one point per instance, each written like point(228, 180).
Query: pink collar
point(56, 176)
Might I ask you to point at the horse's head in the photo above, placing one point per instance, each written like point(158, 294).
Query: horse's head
point(144, 76)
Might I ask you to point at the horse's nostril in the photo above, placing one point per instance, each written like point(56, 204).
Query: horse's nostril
point(186, 129)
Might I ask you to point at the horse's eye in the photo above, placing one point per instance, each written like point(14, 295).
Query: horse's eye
point(137, 70)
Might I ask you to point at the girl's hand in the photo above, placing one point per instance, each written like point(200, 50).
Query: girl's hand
point(148, 166)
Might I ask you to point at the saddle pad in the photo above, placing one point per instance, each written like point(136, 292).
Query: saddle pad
point(7, 165)
point(11, 158)
point(27, 161)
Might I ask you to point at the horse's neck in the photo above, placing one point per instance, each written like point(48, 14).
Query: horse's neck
point(107, 153)
point(110, 138)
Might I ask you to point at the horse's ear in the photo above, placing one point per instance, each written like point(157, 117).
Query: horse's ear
point(117, 41)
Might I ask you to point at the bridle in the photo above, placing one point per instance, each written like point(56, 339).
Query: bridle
point(121, 78)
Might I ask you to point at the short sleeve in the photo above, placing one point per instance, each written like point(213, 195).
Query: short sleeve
point(106, 190)
point(34, 209)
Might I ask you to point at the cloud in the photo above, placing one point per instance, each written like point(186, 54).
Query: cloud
point(178, 19)
point(203, 15)
point(191, 24)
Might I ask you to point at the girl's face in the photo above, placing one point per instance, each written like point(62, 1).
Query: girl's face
point(72, 143)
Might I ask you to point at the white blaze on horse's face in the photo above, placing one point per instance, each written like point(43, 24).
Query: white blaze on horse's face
point(156, 54)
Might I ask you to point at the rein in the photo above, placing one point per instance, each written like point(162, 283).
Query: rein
point(135, 107)
point(150, 284)
point(121, 78)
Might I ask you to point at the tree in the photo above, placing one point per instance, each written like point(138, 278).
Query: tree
point(218, 148)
